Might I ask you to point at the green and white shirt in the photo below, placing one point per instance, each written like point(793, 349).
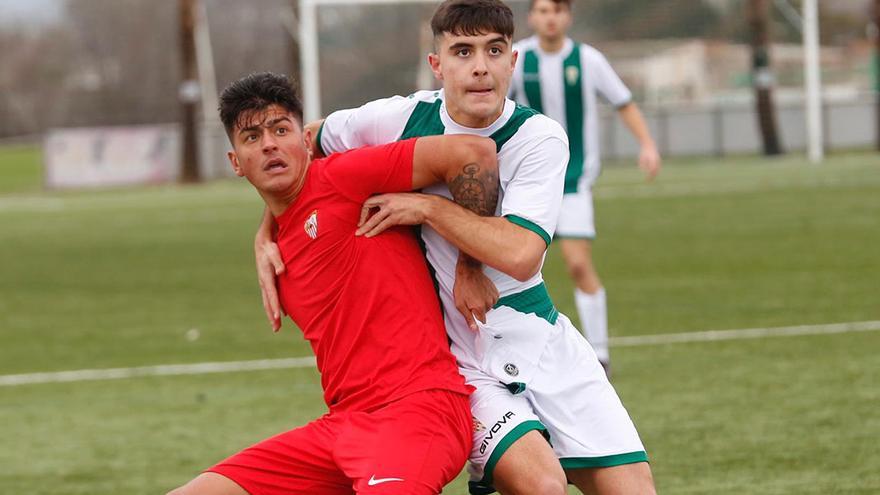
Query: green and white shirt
point(563, 86)
point(532, 154)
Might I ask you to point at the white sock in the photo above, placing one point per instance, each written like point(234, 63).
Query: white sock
point(594, 320)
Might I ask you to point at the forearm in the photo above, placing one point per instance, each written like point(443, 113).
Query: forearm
point(634, 120)
point(494, 241)
point(476, 189)
point(267, 228)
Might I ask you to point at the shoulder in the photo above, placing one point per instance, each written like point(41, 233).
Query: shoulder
point(538, 127)
point(591, 55)
point(394, 105)
point(589, 50)
point(537, 141)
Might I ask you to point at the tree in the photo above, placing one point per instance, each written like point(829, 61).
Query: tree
point(762, 76)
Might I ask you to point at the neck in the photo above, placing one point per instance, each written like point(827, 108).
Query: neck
point(278, 202)
point(552, 45)
point(465, 120)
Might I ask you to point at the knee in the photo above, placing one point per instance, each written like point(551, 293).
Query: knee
point(578, 271)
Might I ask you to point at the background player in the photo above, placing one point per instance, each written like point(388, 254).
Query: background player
point(561, 78)
point(399, 419)
point(534, 373)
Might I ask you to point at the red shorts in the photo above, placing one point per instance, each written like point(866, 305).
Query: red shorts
point(415, 445)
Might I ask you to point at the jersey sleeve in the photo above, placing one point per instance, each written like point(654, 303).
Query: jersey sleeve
point(533, 197)
point(360, 173)
point(608, 83)
point(374, 123)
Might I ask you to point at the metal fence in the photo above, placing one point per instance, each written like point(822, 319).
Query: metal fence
point(733, 129)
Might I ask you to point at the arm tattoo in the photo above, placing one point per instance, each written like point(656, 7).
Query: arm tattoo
point(476, 189)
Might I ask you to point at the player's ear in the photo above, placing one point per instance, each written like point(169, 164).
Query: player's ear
point(434, 62)
point(307, 137)
point(233, 160)
point(513, 58)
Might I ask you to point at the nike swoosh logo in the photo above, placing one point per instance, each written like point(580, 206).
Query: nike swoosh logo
point(375, 481)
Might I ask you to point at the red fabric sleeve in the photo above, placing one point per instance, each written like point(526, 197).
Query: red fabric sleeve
point(363, 172)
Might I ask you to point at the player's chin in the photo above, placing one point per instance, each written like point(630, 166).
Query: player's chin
point(276, 184)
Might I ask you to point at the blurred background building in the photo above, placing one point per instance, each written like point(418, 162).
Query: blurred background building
point(74, 63)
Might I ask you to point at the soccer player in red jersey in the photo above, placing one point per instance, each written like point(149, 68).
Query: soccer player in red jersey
point(399, 419)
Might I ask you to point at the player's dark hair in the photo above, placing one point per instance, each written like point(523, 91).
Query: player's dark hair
point(567, 3)
point(472, 18)
point(254, 93)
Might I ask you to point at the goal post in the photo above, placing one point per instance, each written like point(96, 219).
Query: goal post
point(310, 50)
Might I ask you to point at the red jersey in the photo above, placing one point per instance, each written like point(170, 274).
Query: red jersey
point(367, 306)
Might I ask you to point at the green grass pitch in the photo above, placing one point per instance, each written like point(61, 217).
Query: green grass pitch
point(118, 278)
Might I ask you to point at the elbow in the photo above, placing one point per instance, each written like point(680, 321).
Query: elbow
point(483, 152)
point(523, 266)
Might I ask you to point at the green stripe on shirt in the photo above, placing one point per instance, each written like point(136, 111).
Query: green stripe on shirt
point(530, 225)
point(575, 111)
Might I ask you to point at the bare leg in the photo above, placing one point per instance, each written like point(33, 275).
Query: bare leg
point(578, 256)
point(589, 296)
point(529, 467)
point(628, 479)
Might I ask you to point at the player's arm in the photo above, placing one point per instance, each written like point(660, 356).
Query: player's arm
point(495, 241)
point(467, 164)
point(649, 157)
point(269, 266)
point(612, 88)
point(513, 244)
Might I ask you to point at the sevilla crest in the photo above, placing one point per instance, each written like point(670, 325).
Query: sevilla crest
point(311, 225)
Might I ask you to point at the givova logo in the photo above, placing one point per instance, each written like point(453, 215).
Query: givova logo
point(493, 431)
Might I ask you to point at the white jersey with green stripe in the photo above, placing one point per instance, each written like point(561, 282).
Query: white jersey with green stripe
point(563, 86)
point(532, 153)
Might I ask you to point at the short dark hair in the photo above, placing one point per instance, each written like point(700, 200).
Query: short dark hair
point(256, 92)
point(472, 18)
point(567, 3)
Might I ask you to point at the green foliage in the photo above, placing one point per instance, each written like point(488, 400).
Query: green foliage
point(117, 278)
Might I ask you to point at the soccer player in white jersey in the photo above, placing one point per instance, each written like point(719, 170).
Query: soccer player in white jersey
point(536, 378)
point(561, 79)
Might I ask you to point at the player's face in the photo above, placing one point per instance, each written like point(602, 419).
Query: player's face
point(476, 72)
point(549, 20)
point(270, 151)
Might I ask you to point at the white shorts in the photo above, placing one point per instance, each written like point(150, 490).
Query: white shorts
point(560, 390)
point(576, 215)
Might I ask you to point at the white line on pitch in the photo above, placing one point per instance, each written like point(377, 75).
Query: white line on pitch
point(161, 370)
point(307, 362)
point(744, 333)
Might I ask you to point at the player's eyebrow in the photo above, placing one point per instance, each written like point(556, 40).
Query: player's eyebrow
point(464, 44)
point(460, 45)
point(277, 121)
point(269, 123)
point(499, 39)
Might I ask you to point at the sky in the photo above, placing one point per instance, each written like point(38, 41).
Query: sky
point(29, 11)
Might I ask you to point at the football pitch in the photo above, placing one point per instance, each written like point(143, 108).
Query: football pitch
point(140, 277)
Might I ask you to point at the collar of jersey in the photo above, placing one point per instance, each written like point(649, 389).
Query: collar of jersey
point(453, 127)
point(567, 46)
